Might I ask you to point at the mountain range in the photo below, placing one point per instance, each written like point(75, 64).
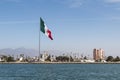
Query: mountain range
point(28, 52)
point(18, 51)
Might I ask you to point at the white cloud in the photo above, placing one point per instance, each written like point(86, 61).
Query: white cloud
point(75, 3)
point(18, 22)
point(13, 0)
point(71, 3)
point(112, 1)
point(117, 8)
point(115, 18)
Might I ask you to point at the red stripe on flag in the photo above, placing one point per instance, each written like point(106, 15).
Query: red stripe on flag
point(49, 34)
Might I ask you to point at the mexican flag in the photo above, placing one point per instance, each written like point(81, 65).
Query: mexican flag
point(44, 29)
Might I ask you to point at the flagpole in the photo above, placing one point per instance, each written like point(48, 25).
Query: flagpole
point(39, 43)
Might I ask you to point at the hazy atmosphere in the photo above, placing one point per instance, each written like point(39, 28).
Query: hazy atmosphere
point(77, 26)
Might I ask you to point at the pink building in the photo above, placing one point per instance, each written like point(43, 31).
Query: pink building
point(98, 54)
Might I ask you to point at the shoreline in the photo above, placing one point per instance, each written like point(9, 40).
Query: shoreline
point(59, 62)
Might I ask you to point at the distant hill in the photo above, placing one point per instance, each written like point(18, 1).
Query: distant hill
point(28, 52)
point(18, 51)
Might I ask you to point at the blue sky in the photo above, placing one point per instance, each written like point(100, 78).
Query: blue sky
point(77, 26)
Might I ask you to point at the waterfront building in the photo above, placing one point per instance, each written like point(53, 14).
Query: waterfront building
point(3, 58)
point(21, 59)
point(44, 56)
point(98, 54)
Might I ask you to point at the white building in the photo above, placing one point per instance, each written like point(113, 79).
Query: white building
point(44, 57)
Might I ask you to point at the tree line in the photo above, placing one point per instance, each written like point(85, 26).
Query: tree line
point(112, 59)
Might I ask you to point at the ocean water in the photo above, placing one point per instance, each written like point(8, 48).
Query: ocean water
point(59, 71)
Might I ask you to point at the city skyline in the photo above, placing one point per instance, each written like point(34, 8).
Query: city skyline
point(77, 25)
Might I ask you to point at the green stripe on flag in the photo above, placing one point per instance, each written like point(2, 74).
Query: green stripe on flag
point(42, 26)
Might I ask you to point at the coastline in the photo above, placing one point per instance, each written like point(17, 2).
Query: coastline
point(59, 62)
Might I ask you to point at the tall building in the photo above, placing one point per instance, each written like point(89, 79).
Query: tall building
point(98, 54)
